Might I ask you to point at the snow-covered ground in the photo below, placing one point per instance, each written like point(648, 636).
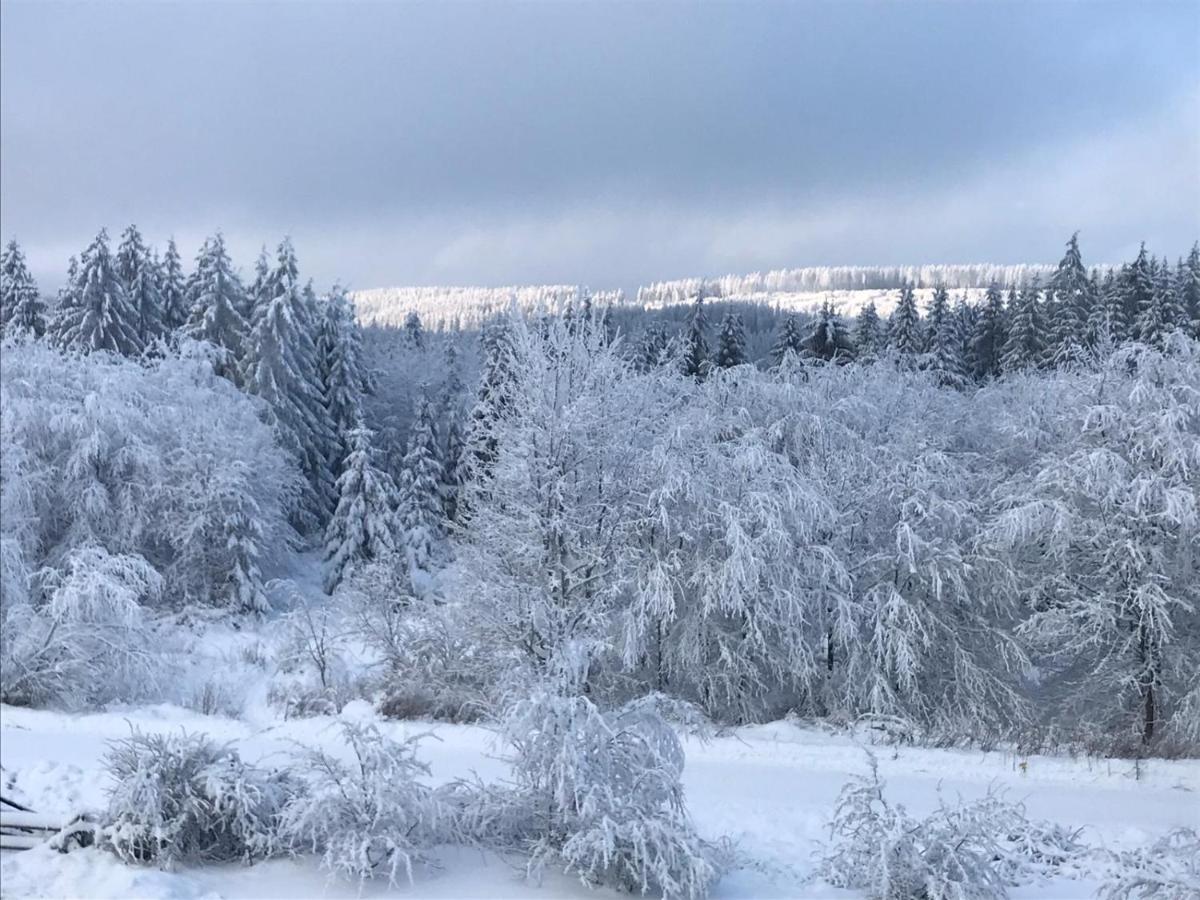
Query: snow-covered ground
point(771, 787)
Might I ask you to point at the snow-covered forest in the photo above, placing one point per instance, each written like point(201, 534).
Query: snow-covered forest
point(603, 531)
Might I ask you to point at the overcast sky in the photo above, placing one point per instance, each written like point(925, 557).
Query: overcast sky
point(464, 143)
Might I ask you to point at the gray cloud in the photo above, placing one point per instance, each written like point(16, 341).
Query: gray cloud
point(406, 143)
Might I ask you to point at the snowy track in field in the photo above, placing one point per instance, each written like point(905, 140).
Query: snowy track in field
point(771, 787)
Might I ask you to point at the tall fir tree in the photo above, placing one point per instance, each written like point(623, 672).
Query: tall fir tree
point(1163, 313)
point(1072, 303)
point(259, 294)
point(494, 397)
point(652, 347)
point(1137, 290)
point(1026, 345)
point(362, 528)
point(214, 297)
point(281, 367)
point(990, 335)
point(943, 342)
point(731, 342)
point(788, 340)
point(141, 280)
point(1187, 277)
point(695, 361)
point(904, 332)
point(1106, 325)
point(829, 339)
point(450, 414)
point(414, 331)
point(99, 316)
point(868, 334)
point(22, 310)
point(173, 289)
point(340, 367)
point(421, 504)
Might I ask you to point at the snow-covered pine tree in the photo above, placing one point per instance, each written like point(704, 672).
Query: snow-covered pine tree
point(214, 299)
point(942, 341)
point(363, 525)
point(904, 333)
point(493, 398)
point(100, 317)
point(281, 367)
point(258, 297)
point(868, 337)
point(340, 366)
point(966, 315)
point(789, 339)
point(175, 310)
point(414, 331)
point(1187, 277)
point(652, 347)
point(243, 533)
point(990, 334)
point(695, 361)
point(829, 340)
point(140, 278)
point(421, 505)
point(1106, 325)
point(450, 413)
point(731, 342)
point(1072, 306)
point(1163, 313)
point(1026, 345)
point(1137, 290)
point(22, 309)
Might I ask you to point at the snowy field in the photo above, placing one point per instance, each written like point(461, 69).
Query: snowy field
point(771, 787)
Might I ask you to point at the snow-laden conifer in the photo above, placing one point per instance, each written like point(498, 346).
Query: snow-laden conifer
point(22, 310)
point(214, 299)
point(99, 316)
point(363, 526)
point(731, 342)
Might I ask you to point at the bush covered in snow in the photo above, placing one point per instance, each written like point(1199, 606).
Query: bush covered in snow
point(184, 799)
point(597, 794)
point(972, 850)
point(369, 817)
point(1169, 869)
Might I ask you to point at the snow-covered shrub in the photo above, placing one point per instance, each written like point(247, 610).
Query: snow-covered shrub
point(972, 850)
point(369, 817)
point(1169, 869)
point(599, 795)
point(90, 641)
point(314, 678)
point(180, 798)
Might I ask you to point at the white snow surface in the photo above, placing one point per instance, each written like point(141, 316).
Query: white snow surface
point(770, 787)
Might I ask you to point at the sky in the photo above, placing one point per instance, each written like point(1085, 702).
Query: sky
point(608, 144)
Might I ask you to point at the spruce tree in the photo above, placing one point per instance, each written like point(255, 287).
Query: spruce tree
point(966, 316)
point(1187, 278)
point(829, 340)
point(695, 343)
point(1106, 323)
point(1026, 344)
point(450, 412)
point(904, 333)
point(990, 335)
point(259, 295)
point(281, 367)
point(789, 340)
point(1163, 313)
point(243, 538)
point(362, 527)
point(22, 310)
point(652, 347)
point(173, 290)
point(1072, 304)
point(494, 397)
point(141, 279)
point(943, 342)
point(99, 316)
point(414, 331)
point(421, 505)
point(868, 336)
point(214, 297)
point(1137, 291)
point(340, 367)
point(731, 342)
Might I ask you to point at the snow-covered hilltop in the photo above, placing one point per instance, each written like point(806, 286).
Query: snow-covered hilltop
point(466, 307)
